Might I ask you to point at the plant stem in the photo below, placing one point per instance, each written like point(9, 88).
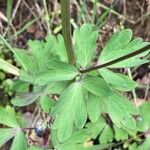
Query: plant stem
point(66, 28)
point(139, 51)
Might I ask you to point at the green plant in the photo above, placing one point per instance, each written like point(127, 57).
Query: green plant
point(71, 90)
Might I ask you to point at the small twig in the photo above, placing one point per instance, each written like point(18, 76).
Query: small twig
point(116, 60)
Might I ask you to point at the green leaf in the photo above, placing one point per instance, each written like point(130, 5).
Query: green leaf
point(106, 135)
point(39, 53)
point(56, 71)
point(85, 44)
point(94, 129)
point(119, 45)
point(60, 50)
point(80, 137)
point(6, 66)
point(8, 117)
point(119, 81)
point(25, 99)
point(97, 86)
point(34, 148)
point(143, 121)
point(93, 104)
point(19, 142)
point(70, 103)
point(121, 110)
point(46, 103)
point(5, 135)
point(20, 86)
point(145, 145)
point(133, 146)
point(55, 87)
point(114, 47)
point(56, 46)
point(30, 64)
point(131, 62)
point(120, 134)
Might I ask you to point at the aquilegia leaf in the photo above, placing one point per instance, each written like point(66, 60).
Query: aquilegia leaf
point(70, 109)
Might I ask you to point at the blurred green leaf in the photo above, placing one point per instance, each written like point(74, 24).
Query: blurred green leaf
point(46, 103)
point(55, 87)
point(25, 99)
point(19, 142)
point(143, 121)
point(107, 135)
point(145, 145)
point(120, 134)
point(6, 66)
point(8, 117)
point(6, 134)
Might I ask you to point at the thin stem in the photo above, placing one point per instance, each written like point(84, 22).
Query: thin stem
point(133, 91)
point(139, 51)
point(66, 28)
point(47, 16)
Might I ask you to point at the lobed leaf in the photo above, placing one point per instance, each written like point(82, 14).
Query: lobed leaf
point(97, 86)
point(121, 110)
point(56, 71)
point(117, 80)
point(70, 103)
point(119, 45)
point(85, 44)
point(115, 45)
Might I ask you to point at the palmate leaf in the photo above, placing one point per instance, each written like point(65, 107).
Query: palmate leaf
point(119, 45)
point(117, 80)
point(121, 110)
point(85, 44)
point(70, 109)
